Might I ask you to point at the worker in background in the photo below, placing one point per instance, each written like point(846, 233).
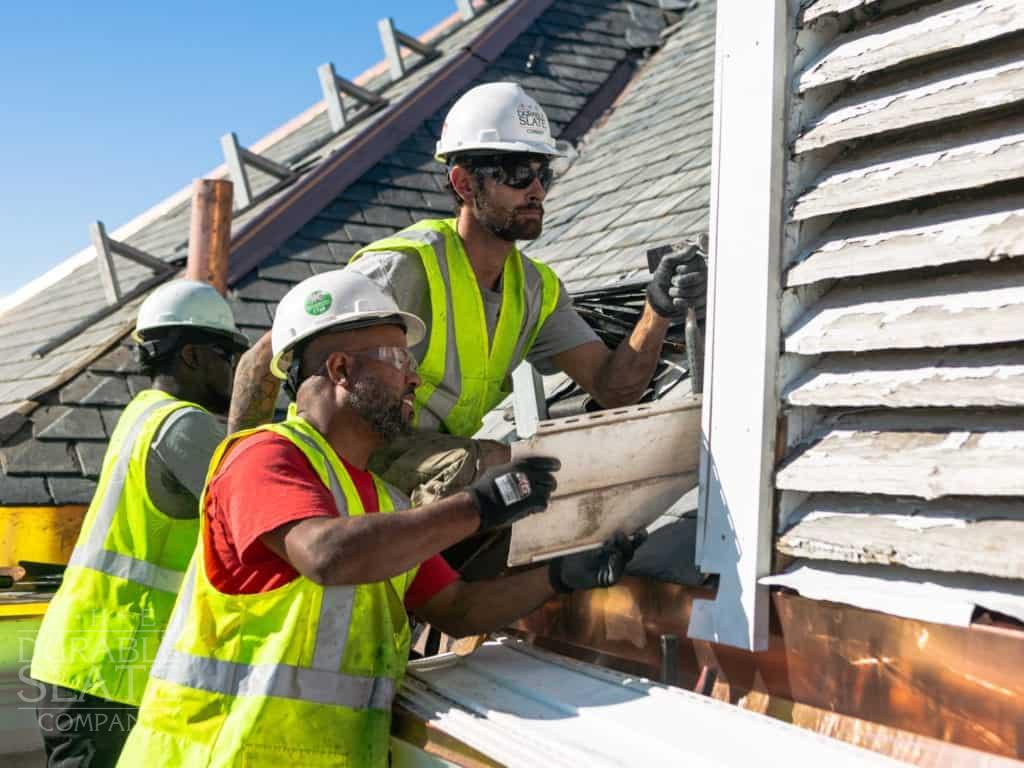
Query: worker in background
point(290, 638)
point(487, 306)
point(104, 625)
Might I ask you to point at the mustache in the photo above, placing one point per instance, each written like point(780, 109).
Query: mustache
point(531, 207)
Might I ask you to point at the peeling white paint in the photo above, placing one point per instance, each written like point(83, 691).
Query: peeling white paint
point(889, 169)
point(976, 89)
point(1006, 441)
point(893, 380)
point(928, 465)
point(857, 317)
point(913, 522)
point(944, 27)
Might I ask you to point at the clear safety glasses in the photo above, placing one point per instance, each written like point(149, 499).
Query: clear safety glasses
point(397, 357)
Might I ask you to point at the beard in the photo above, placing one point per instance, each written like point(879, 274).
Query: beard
point(505, 223)
point(379, 408)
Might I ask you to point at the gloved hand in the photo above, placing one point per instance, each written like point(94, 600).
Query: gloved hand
point(508, 492)
point(597, 567)
point(679, 281)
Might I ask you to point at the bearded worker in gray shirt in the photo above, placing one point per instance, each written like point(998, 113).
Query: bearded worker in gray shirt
point(101, 631)
point(487, 307)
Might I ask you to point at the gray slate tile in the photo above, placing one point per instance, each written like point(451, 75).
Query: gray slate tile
point(71, 490)
point(121, 359)
point(59, 422)
point(23, 491)
point(96, 389)
point(38, 457)
point(90, 456)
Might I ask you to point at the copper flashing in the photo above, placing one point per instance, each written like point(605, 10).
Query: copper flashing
point(956, 685)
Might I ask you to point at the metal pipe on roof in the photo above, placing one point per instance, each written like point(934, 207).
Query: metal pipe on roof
point(209, 239)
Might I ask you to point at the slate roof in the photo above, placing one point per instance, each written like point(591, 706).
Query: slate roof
point(654, 142)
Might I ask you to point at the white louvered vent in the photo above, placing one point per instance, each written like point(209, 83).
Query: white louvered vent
point(903, 321)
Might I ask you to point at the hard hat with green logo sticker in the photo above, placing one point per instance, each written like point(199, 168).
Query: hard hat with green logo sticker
point(334, 301)
point(318, 302)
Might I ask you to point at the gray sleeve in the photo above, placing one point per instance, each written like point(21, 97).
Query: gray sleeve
point(185, 444)
point(399, 273)
point(564, 329)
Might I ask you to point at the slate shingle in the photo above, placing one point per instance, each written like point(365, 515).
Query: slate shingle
point(121, 359)
point(71, 490)
point(58, 422)
point(91, 388)
point(38, 457)
point(90, 456)
point(23, 491)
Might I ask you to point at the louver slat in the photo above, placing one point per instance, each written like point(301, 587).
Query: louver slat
point(914, 168)
point(925, 33)
point(984, 228)
point(984, 378)
point(963, 309)
point(954, 535)
point(980, 85)
point(815, 9)
point(901, 462)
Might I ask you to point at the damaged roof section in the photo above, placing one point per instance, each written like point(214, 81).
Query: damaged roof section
point(56, 413)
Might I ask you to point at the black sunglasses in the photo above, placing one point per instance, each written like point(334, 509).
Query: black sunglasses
point(516, 172)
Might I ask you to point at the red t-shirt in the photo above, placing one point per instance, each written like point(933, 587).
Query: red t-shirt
point(265, 485)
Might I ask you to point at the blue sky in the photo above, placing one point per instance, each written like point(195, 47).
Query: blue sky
point(108, 107)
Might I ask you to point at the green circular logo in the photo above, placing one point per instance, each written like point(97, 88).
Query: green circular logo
point(318, 302)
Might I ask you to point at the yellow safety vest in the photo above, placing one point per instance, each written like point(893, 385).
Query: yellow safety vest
point(461, 385)
point(302, 675)
point(102, 629)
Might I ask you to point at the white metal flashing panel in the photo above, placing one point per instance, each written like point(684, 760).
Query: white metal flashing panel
point(621, 470)
point(740, 400)
point(525, 708)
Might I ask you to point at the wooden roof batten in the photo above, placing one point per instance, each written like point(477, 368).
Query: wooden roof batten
point(394, 40)
point(333, 86)
point(237, 158)
point(106, 247)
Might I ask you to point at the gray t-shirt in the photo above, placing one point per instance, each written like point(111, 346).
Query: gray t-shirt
point(178, 460)
point(402, 275)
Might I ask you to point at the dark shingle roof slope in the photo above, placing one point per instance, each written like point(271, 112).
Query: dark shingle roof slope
point(643, 177)
point(573, 58)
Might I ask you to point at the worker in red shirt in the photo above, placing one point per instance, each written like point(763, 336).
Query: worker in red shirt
point(290, 635)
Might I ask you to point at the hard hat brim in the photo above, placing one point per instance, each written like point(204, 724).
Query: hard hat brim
point(415, 331)
point(498, 147)
point(237, 337)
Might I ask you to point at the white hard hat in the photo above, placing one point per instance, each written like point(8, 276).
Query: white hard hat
point(500, 117)
point(187, 304)
point(331, 300)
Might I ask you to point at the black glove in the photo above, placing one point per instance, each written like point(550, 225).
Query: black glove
point(506, 493)
point(597, 567)
point(679, 281)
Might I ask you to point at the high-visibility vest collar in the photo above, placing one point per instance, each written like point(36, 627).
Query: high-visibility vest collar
point(464, 373)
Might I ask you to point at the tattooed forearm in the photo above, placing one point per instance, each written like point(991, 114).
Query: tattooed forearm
point(255, 390)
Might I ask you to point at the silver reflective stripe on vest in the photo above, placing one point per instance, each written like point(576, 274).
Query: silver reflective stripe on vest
point(286, 681)
point(398, 499)
point(336, 603)
point(533, 288)
point(91, 553)
point(447, 392)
